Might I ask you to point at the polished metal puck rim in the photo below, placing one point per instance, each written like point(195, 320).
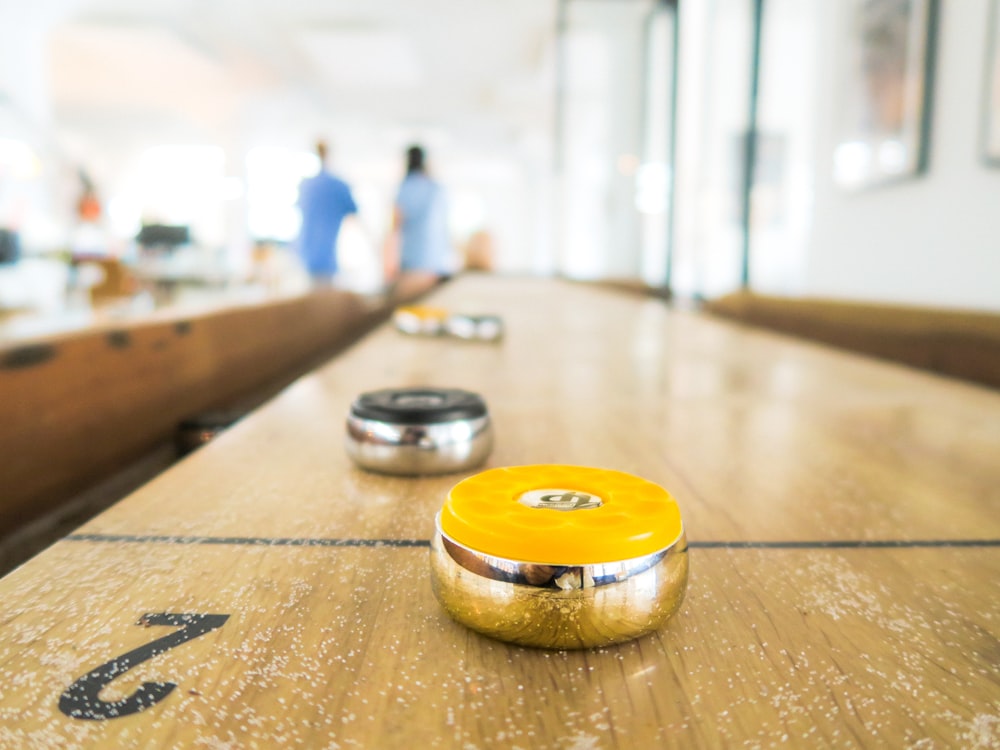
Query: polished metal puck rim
point(547, 574)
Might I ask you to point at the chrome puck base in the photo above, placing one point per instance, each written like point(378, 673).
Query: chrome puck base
point(418, 431)
point(562, 607)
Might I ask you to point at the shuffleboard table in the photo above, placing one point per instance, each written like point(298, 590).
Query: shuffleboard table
point(843, 517)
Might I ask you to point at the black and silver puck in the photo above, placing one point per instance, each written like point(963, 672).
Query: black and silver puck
point(415, 431)
point(474, 327)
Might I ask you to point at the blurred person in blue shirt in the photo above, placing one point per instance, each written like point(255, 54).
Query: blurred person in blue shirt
point(324, 201)
point(421, 220)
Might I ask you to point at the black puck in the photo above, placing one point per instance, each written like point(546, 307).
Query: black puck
point(418, 405)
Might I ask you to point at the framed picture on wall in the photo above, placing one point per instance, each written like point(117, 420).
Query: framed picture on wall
point(884, 101)
point(991, 100)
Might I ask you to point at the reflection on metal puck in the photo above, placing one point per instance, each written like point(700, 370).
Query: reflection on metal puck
point(610, 566)
point(201, 429)
point(420, 320)
point(415, 431)
point(474, 327)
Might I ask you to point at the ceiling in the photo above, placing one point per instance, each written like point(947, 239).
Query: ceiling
point(480, 71)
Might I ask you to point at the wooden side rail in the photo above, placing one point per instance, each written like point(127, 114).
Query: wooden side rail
point(961, 344)
point(76, 408)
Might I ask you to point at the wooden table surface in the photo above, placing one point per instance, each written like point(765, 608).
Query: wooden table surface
point(845, 557)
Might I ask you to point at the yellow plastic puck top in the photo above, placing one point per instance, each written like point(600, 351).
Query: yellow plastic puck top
point(561, 515)
point(423, 312)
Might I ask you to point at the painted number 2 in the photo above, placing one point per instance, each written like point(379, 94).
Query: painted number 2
point(81, 700)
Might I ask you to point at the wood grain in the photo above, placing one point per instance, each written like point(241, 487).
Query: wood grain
point(101, 397)
point(958, 343)
point(348, 646)
point(757, 436)
point(335, 640)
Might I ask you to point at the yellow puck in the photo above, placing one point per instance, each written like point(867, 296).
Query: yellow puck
point(559, 556)
point(420, 319)
point(561, 515)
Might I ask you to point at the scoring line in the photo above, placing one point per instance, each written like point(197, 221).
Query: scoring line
point(322, 542)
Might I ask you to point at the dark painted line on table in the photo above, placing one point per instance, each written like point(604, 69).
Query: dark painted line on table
point(254, 541)
point(850, 544)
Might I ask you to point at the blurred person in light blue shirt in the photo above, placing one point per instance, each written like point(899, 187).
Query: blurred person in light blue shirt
point(324, 201)
point(421, 218)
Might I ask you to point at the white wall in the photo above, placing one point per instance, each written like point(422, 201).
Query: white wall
point(22, 60)
point(714, 76)
point(784, 194)
point(934, 240)
point(597, 220)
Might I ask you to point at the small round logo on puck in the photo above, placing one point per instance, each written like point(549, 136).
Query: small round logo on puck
point(560, 499)
point(418, 399)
